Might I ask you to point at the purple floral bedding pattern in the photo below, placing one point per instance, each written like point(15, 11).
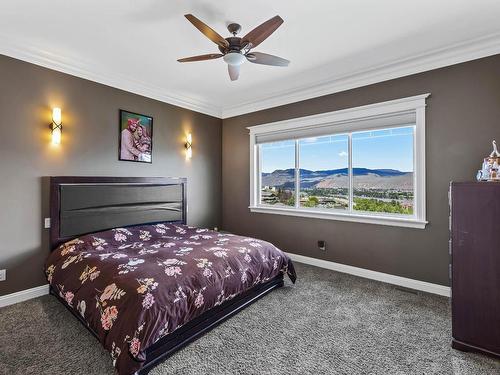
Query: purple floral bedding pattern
point(134, 285)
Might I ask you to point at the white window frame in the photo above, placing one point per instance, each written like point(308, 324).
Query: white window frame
point(345, 121)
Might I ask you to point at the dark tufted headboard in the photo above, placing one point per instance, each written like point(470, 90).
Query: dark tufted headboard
point(80, 205)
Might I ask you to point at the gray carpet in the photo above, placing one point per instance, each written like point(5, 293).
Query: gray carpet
point(328, 323)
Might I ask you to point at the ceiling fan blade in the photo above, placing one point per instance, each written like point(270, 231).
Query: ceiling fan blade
point(207, 31)
point(266, 59)
point(209, 56)
point(260, 33)
point(234, 72)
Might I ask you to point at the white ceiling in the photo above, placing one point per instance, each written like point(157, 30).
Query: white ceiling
point(332, 44)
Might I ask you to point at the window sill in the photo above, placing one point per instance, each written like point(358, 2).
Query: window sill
point(358, 218)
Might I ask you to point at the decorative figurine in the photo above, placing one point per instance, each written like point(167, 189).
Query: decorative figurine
point(491, 166)
point(495, 152)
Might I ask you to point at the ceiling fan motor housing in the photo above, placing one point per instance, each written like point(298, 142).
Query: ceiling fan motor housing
point(234, 45)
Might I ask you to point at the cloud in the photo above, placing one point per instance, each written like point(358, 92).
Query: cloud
point(342, 154)
point(310, 140)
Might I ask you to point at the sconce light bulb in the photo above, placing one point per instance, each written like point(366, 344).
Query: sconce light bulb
point(189, 147)
point(56, 126)
point(57, 116)
point(56, 135)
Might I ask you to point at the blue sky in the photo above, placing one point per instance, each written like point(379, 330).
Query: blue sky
point(381, 149)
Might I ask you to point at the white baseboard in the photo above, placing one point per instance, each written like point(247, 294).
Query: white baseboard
point(374, 275)
point(24, 295)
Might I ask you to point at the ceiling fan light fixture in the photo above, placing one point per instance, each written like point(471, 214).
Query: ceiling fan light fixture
point(234, 58)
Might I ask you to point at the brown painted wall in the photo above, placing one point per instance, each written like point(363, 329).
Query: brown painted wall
point(89, 147)
point(463, 116)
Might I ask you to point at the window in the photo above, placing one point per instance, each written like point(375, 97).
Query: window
point(277, 173)
point(324, 178)
point(383, 171)
point(364, 164)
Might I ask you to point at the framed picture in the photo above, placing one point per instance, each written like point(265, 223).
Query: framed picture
point(136, 137)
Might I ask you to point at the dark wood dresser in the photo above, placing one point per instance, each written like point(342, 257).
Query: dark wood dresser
point(475, 266)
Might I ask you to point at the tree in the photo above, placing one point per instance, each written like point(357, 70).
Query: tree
point(375, 205)
point(312, 201)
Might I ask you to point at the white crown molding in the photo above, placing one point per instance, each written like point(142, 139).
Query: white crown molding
point(461, 52)
point(458, 53)
point(24, 295)
point(374, 275)
point(95, 73)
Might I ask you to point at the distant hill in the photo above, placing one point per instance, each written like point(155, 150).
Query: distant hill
point(338, 178)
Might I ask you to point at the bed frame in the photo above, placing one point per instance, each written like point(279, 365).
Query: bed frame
point(80, 205)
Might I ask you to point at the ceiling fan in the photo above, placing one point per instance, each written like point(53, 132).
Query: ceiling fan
point(235, 50)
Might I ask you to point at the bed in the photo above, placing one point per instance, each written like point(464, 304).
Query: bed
point(144, 283)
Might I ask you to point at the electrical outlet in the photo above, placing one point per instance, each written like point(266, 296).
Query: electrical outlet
point(322, 245)
point(3, 275)
point(46, 223)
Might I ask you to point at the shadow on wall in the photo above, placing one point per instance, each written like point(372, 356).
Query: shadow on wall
point(45, 212)
point(18, 273)
point(27, 267)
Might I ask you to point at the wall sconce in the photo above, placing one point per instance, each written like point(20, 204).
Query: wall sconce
point(56, 126)
point(189, 146)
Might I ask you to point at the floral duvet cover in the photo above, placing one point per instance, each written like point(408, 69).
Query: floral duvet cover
point(134, 285)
